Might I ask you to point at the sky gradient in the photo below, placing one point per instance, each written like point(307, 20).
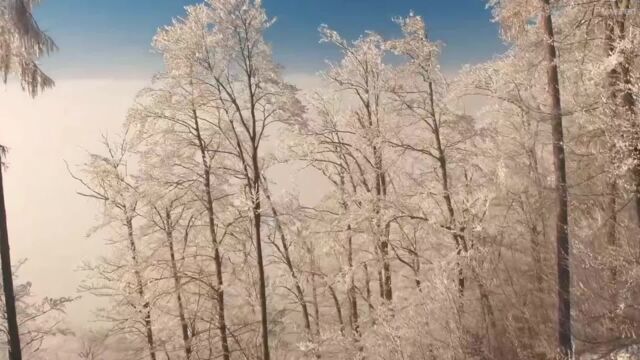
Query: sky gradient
point(111, 38)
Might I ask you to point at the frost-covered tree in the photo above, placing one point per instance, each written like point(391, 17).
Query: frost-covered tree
point(221, 44)
point(442, 233)
point(22, 43)
point(39, 319)
point(362, 72)
point(121, 275)
point(514, 17)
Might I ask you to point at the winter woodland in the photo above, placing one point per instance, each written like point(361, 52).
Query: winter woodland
point(446, 230)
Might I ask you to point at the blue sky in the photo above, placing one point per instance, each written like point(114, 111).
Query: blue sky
point(111, 38)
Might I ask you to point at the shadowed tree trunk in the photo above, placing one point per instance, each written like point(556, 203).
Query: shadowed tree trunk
point(612, 185)
point(257, 232)
point(562, 216)
point(460, 242)
point(351, 290)
point(33, 80)
point(367, 284)
point(382, 232)
point(217, 258)
point(15, 351)
point(184, 327)
point(336, 303)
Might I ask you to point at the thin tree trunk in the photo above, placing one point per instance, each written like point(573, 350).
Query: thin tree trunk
point(537, 226)
point(381, 287)
point(177, 287)
point(612, 232)
point(351, 287)
point(487, 307)
point(217, 258)
point(351, 290)
point(257, 229)
point(367, 281)
point(257, 212)
point(460, 242)
point(562, 219)
point(288, 261)
point(316, 307)
point(336, 303)
point(146, 306)
point(384, 274)
point(613, 79)
point(316, 311)
point(15, 350)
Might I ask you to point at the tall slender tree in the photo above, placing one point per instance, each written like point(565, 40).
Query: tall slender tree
point(107, 179)
point(234, 66)
point(15, 349)
point(21, 44)
point(364, 75)
point(562, 192)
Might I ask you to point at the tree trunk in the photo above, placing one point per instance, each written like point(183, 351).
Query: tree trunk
point(257, 229)
point(15, 350)
point(351, 290)
point(460, 242)
point(146, 306)
point(316, 312)
point(562, 219)
point(217, 258)
point(177, 287)
point(612, 82)
point(288, 261)
point(537, 224)
point(384, 274)
point(367, 282)
point(316, 307)
point(336, 303)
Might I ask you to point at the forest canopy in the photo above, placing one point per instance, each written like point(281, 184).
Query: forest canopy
point(492, 213)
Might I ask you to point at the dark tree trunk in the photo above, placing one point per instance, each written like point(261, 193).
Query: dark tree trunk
point(612, 232)
point(367, 284)
point(460, 242)
point(217, 258)
point(316, 312)
point(284, 250)
point(146, 306)
point(316, 306)
point(257, 229)
point(336, 303)
point(562, 219)
point(612, 186)
point(382, 243)
point(15, 350)
point(380, 281)
point(351, 290)
point(177, 283)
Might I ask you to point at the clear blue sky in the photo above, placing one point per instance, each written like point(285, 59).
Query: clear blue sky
point(100, 38)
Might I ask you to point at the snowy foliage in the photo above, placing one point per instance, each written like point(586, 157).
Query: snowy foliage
point(22, 43)
point(435, 237)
